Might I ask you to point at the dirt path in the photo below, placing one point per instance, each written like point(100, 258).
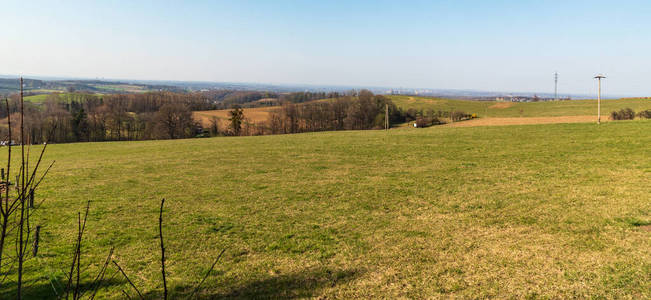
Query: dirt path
point(526, 121)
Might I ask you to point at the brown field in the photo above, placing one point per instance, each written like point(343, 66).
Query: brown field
point(254, 115)
point(261, 114)
point(526, 121)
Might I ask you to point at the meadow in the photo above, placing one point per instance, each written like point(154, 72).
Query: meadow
point(494, 109)
point(537, 211)
point(40, 98)
point(99, 89)
point(490, 113)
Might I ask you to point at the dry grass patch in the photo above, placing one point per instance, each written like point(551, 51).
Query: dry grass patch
point(526, 121)
point(255, 115)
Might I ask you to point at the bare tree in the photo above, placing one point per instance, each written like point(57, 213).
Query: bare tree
point(16, 208)
point(174, 120)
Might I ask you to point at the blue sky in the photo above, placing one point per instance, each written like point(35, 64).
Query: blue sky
point(481, 45)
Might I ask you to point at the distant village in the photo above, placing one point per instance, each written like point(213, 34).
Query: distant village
point(524, 99)
point(475, 95)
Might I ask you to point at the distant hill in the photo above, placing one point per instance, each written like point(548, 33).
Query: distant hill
point(37, 86)
point(40, 84)
point(519, 109)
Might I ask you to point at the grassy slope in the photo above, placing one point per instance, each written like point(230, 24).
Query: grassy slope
point(36, 98)
point(109, 88)
point(481, 108)
point(104, 88)
point(42, 97)
point(547, 210)
point(529, 109)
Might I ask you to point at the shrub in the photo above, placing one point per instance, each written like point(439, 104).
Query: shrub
point(623, 114)
point(411, 114)
point(427, 121)
point(459, 115)
point(645, 114)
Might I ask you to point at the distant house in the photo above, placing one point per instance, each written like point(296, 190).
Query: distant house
point(8, 143)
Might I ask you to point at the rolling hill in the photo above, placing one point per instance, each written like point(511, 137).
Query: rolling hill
point(488, 109)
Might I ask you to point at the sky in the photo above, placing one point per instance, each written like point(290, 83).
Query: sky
point(510, 46)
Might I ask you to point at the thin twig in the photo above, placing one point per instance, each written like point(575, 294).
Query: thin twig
point(125, 294)
point(128, 280)
point(19, 288)
point(162, 248)
point(74, 257)
point(43, 177)
point(5, 209)
point(100, 276)
point(207, 273)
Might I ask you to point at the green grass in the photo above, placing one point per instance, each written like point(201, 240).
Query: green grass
point(42, 97)
point(540, 211)
point(121, 88)
point(527, 109)
point(36, 98)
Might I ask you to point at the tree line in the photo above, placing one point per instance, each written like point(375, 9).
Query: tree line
point(225, 99)
point(361, 111)
point(80, 117)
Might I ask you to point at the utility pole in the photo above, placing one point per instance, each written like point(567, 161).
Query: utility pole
point(556, 86)
point(599, 77)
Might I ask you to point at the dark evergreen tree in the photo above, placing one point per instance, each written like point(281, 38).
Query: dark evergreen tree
point(237, 116)
point(80, 125)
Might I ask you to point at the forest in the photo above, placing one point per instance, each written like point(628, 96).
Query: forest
point(82, 117)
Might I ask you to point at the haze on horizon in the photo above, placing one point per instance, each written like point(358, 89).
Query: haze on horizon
point(496, 46)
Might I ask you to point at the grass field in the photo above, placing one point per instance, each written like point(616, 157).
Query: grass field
point(125, 88)
point(491, 113)
point(540, 211)
point(40, 98)
point(36, 98)
point(527, 109)
point(491, 121)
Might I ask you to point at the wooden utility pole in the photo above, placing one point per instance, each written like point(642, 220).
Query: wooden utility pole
point(599, 77)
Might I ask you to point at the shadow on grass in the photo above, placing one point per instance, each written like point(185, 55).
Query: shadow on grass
point(304, 284)
point(44, 290)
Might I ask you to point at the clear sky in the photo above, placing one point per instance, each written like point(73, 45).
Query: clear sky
point(456, 44)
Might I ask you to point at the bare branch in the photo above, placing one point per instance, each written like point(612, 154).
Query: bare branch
point(162, 248)
point(128, 280)
point(207, 273)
